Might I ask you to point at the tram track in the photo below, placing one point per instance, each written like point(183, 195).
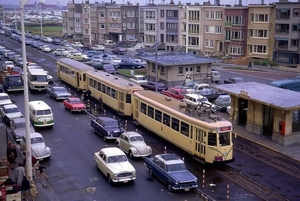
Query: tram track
point(268, 159)
point(249, 184)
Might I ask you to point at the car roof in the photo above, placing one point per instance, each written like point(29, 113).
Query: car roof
point(58, 87)
point(169, 158)
point(112, 151)
point(131, 133)
point(10, 106)
point(139, 76)
point(74, 98)
point(107, 119)
point(4, 94)
point(196, 96)
point(35, 134)
point(18, 120)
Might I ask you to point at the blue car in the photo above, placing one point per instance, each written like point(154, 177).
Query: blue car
point(171, 170)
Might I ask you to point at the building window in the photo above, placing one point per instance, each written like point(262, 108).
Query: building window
point(86, 31)
point(180, 70)
point(259, 17)
point(212, 15)
point(130, 13)
point(193, 41)
point(207, 15)
point(295, 42)
point(197, 69)
point(296, 12)
point(162, 13)
point(172, 38)
point(237, 35)
point(259, 49)
point(150, 27)
point(208, 43)
point(218, 15)
point(130, 25)
point(172, 13)
point(150, 14)
point(218, 29)
point(282, 57)
point(102, 26)
point(296, 27)
point(236, 50)
point(259, 33)
point(162, 25)
point(102, 14)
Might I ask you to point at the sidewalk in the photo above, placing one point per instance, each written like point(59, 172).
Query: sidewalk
point(44, 192)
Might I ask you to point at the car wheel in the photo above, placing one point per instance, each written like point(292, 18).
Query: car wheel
point(150, 172)
point(169, 187)
point(131, 155)
point(84, 60)
point(109, 179)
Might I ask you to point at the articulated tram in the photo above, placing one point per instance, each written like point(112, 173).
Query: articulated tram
point(205, 136)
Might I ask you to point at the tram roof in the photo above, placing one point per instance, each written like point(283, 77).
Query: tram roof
point(283, 99)
point(176, 59)
point(75, 64)
point(173, 107)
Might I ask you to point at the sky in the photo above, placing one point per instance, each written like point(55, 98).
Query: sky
point(143, 2)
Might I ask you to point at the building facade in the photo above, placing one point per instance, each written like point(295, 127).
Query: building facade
point(287, 33)
point(2, 14)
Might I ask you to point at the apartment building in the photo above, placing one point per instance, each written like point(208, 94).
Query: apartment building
point(235, 34)
point(260, 39)
point(2, 14)
point(130, 22)
point(213, 37)
point(287, 33)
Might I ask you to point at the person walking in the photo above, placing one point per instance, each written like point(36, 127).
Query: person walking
point(41, 171)
point(11, 154)
point(35, 163)
point(100, 104)
point(19, 174)
point(132, 72)
point(250, 65)
point(25, 187)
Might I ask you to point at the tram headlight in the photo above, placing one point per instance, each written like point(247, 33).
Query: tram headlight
point(225, 154)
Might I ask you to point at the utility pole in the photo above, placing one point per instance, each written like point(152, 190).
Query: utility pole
point(156, 67)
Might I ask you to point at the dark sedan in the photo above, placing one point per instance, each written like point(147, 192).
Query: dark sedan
point(233, 80)
point(100, 65)
point(56, 41)
point(153, 85)
point(129, 64)
point(109, 68)
point(108, 128)
point(58, 93)
point(209, 93)
point(118, 50)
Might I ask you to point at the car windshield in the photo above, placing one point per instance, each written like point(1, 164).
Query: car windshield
point(176, 167)
point(39, 78)
point(111, 124)
point(136, 139)
point(36, 140)
point(75, 101)
point(141, 78)
point(60, 89)
point(21, 125)
point(117, 159)
point(4, 98)
point(12, 110)
point(160, 84)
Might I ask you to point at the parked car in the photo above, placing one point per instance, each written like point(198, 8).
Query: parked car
point(17, 128)
point(77, 44)
point(93, 61)
point(118, 50)
point(113, 163)
point(74, 104)
point(58, 93)
point(215, 76)
point(39, 149)
point(171, 170)
point(100, 65)
point(198, 102)
point(61, 52)
point(210, 93)
point(141, 62)
point(4, 99)
point(98, 48)
point(5, 53)
point(223, 101)
point(19, 62)
point(109, 68)
point(108, 128)
point(128, 64)
point(138, 79)
point(141, 53)
point(47, 40)
point(233, 80)
point(11, 56)
point(109, 43)
point(176, 93)
point(153, 85)
point(94, 56)
point(9, 112)
point(56, 41)
point(7, 64)
point(79, 56)
point(46, 48)
point(86, 46)
point(133, 144)
point(28, 42)
point(36, 37)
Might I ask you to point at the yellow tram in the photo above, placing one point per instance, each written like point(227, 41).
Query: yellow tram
point(115, 92)
point(207, 137)
point(73, 72)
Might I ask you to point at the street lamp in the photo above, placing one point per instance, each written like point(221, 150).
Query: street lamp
point(187, 30)
point(90, 28)
point(156, 66)
point(26, 97)
point(41, 20)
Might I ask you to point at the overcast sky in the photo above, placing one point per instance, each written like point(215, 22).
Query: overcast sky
point(143, 2)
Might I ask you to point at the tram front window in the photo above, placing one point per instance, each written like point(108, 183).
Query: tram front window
point(224, 139)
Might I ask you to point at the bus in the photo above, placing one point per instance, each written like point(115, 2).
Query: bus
point(292, 84)
point(73, 73)
point(114, 91)
point(37, 80)
point(207, 137)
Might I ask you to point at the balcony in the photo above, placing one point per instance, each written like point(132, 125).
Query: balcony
point(172, 32)
point(282, 31)
point(228, 24)
point(193, 18)
point(227, 38)
point(236, 38)
point(193, 31)
point(281, 47)
point(283, 14)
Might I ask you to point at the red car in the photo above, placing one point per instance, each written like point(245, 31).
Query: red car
point(175, 92)
point(74, 104)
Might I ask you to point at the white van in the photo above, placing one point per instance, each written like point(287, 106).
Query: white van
point(37, 80)
point(40, 114)
point(215, 76)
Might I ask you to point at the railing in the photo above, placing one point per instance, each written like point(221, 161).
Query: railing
point(283, 17)
point(282, 47)
point(227, 38)
point(280, 31)
point(228, 24)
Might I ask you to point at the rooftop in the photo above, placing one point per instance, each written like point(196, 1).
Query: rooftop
point(177, 59)
point(283, 99)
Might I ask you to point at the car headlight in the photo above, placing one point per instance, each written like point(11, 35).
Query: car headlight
point(149, 149)
point(176, 182)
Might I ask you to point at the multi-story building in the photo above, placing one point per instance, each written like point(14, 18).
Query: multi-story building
point(213, 37)
point(2, 14)
point(260, 39)
point(130, 22)
point(114, 22)
point(102, 21)
point(72, 20)
point(235, 34)
point(287, 33)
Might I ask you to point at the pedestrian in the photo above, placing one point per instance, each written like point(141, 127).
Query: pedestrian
point(41, 171)
point(35, 163)
point(3, 162)
point(100, 104)
point(132, 72)
point(83, 96)
point(250, 65)
point(11, 154)
point(25, 187)
point(33, 190)
point(19, 174)
point(88, 95)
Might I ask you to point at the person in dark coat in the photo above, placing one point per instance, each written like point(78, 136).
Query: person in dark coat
point(25, 187)
point(11, 154)
point(250, 65)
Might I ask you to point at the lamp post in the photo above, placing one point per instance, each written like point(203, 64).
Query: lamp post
point(41, 15)
point(26, 96)
point(90, 28)
point(156, 66)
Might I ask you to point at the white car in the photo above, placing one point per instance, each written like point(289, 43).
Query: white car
point(138, 79)
point(98, 48)
point(38, 146)
point(133, 144)
point(77, 44)
point(48, 40)
point(114, 164)
point(141, 62)
point(7, 64)
point(9, 112)
point(198, 102)
point(61, 52)
point(46, 48)
point(79, 56)
point(4, 99)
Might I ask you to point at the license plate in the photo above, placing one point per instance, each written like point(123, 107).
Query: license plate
point(187, 189)
point(125, 181)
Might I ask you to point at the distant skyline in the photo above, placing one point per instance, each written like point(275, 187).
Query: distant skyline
point(143, 2)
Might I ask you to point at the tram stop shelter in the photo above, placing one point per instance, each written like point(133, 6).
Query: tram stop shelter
point(265, 110)
point(173, 68)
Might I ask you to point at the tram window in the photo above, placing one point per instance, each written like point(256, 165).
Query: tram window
point(143, 108)
point(175, 124)
point(84, 77)
point(99, 86)
point(91, 82)
point(166, 120)
point(72, 73)
point(103, 88)
point(184, 129)
point(158, 115)
point(212, 139)
point(128, 98)
point(224, 139)
point(95, 84)
point(113, 93)
point(150, 111)
point(108, 91)
point(121, 96)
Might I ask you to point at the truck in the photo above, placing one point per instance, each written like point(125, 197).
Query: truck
point(11, 79)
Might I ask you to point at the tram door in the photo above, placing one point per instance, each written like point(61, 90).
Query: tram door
point(77, 80)
point(200, 142)
point(268, 120)
point(243, 107)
